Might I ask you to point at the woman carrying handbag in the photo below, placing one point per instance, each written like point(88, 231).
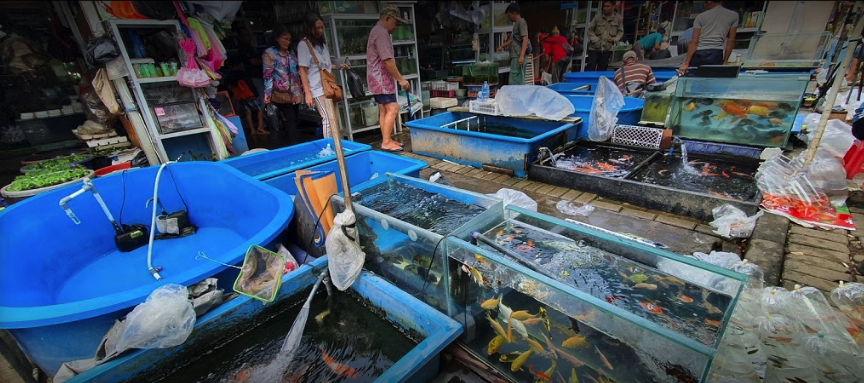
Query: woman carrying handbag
point(282, 85)
point(314, 58)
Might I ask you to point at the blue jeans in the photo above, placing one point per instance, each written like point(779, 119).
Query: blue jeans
point(707, 57)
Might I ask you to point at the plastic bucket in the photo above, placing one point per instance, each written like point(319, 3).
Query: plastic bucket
point(113, 168)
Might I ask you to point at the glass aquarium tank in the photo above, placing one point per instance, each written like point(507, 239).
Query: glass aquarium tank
point(657, 106)
point(352, 36)
point(752, 109)
point(540, 297)
point(477, 73)
point(779, 50)
point(402, 221)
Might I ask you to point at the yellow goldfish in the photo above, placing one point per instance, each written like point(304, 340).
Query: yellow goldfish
point(758, 110)
point(575, 341)
point(573, 377)
point(691, 106)
point(603, 359)
point(546, 324)
point(517, 364)
point(497, 327)
point(535, 345)
point(476, 276)
point(491, 303)
point(649, 286)
point(522, 315)
point(509, 358)
point(494, 344)
point(482, 261)
point(320, 317)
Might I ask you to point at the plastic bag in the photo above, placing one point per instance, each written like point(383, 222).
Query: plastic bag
point(604, 110)
point(355, 85)
point(774, 299)
point(827, 175)
point(752, 271)
point(837, 138)
point(567, 207)
point(346, 258)
point(101, 50)
point(164, 320)
point(731, 222)
point(515, 198)
point(528, 100)
point(193, 78)
point(718, 258)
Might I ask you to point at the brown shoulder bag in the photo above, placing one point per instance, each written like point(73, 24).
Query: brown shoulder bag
point(332, 90)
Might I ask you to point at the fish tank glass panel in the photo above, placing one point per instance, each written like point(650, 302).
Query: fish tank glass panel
point(756, 110)
point(780, 50)
point(402, 221)
point(657, 107)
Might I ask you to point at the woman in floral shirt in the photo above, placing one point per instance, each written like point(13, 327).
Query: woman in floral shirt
point(282, 84)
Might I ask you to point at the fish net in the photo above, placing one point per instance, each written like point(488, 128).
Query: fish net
point(261, 274)
point(637, 136)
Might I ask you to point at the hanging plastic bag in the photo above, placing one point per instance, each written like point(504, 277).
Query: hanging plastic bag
point(515, 198)
point(164, 320)
point(101, 50)
point(355, 85)
point(346, 258)
point(190, 75)
point(530, 100)
point(105, 90)
point(608, 101)
point(732, 222)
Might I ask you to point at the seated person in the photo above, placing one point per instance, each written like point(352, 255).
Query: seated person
point(632, 76)
point(649, 43)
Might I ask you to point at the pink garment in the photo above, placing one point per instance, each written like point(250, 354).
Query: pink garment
point(378, 49)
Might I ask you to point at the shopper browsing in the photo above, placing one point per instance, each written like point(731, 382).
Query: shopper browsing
point(713, 37)
point(382, 74)
point(605, 30)
point(310, 74)
point(632, 76)
point(650, 42)
point(282, 85)
point(519, 45)
point(241, 87)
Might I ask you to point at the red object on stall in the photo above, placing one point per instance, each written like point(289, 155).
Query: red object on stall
point(113, 168)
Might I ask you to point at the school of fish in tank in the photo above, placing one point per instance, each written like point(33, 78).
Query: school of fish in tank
point(762, 123)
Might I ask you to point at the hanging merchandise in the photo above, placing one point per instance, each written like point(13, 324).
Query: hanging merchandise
point(101, 50)
point(197, 29)
point(190, 75)
point(220, 10)
point(217, 53)
point(104, 89)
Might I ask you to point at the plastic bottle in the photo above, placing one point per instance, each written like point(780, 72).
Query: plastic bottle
point(483, 95)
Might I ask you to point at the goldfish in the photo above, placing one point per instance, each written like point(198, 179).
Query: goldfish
point(498, 329)
point(528, 245)
point(723, 103)
point(649, 286)
point(561, 354)
point(475, 275)
point(711, 308)
point(494, 344)
point(535, 345)
point(758, 110)
point(766, 105)
point(545, 376)
point(491, 303)
point(545, 316)
point(651, 308)
point(573, 377)
point(517, 364)
point(499, 233)
point(775, 121)
point(691, 106)
point(320, 317)
point(297, 375)
point(712, 322)
point(522, 315)
point(575, 341)
point(603, 359)
point(684, 298)
point(340, 369)
point(482, 261)
point(736, 110)
point(509, 358)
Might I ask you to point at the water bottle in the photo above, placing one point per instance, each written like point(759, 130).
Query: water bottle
point(483, 95)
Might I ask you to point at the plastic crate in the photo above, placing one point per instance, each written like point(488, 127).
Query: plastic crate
point(441, 102)
point(451, 93)
point(472, 90)
point(489, 107)
point(445, 85)
point(639, 136)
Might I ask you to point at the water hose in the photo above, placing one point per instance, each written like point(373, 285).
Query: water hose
point(153, 271)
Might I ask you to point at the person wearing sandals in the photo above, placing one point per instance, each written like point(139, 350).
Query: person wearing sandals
point(381, 73)
point(282, 85)
point(310, 74)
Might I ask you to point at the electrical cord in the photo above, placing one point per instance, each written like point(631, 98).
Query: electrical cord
point(317, 222)
point(171, 173)
point(123, 200)
point(431, 262)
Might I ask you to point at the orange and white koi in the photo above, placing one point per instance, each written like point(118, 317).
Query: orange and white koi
point(342, 370)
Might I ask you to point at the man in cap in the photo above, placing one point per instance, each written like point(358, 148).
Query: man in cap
point(382, 74)
point(519, 44)
point(632, 76)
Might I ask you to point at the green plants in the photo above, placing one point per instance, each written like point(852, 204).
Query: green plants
point(46, 177)
point(65, 161)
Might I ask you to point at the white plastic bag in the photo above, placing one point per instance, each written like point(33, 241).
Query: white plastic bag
point(528, 100)
point(731, 222)
point(837, 138)
point(753, 272)
point(567, 207)
point(608, 101)
point(164, 320)
point(718, 258)
point(344, 254)
point(515, 198)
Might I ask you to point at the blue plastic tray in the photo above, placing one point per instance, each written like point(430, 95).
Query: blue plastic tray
point(266, 165)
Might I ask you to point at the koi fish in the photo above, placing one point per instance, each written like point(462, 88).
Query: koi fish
point(475, 274)
point(651, 308)
point(320, 317)
point(758, 110)
point(517, 364)
point(767, 105)
point(516, 325)
point(736, 110)
point(648, 286)
point(545, 376)
point(545, 317)
point(684, 298)
point(603, 359)
point(342, 370)
point(532, 320)
point(711, 308)
point(528, 245)
point(509, 358)
point(575, 341)
point(691, 107)
point(522, 315)
point(573, 377)
point(712, 322)
point(775, 121)
point(482, 261)
point(535, 345)
point(561, 354)
point(494, 344)
point(491, 303)
point(498, 329)
point(626, 157)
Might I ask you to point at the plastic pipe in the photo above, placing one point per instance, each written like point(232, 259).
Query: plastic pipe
point(154, 272)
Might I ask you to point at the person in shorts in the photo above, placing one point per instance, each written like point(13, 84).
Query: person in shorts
point(243, 90)
point(382, 74)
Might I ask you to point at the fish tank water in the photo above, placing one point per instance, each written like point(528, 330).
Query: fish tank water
point(657, 106)
point(756, 110)
point(402, 222)
point(586, 304)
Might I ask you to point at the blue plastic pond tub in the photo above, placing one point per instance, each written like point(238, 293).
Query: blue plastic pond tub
point(572, 88)
point(362, 169)
point(628, 115)
point(591, 77)
point(65, 284)
point(269, 164)
point(476, 149)
point(422, 364)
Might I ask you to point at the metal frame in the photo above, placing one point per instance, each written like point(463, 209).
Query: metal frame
point(492, 32)
point(153, 141)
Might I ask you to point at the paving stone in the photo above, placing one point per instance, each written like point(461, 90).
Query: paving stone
point(489, 175)
point(544, 189)
point(430, 161)
point(771, 227)
point(447, 166)
point(809, 280)
point(819, 243)
point(858, 258)
point(767, 255)
point(859, 218)
point(638, 213)
point(818, 272)
point(474, 172)
point(585, 198)
point(522, 184)
point(856, 210)
point(533, 186)
point(825, 263)
point(463, 169)
point(438, 166)
point(819, 234)
point(557, 192)
point(571, 195)
point(817, 252)
point(707, 229)
point(676, 221)
point(511, 181)
point(607, 205)
point(501, 177)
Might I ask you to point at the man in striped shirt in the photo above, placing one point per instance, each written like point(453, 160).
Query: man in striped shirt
point(633, 76)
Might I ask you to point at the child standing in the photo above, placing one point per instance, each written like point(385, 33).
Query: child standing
point(241, 87)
